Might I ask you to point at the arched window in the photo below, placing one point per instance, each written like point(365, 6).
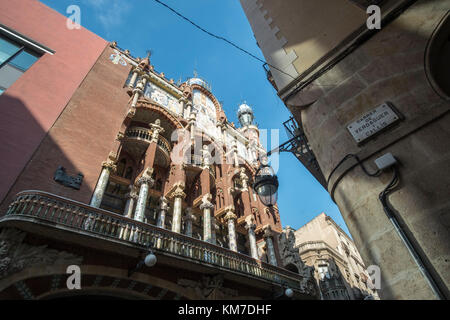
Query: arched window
point(438, 58)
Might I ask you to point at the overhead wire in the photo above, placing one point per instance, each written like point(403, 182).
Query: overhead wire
point(221, 38)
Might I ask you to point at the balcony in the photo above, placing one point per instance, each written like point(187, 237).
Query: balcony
point(41, 208)
point(145, 135)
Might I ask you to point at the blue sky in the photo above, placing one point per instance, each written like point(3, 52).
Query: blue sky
point(178, 48)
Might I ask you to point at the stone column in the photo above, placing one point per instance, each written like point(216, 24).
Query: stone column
point(230, 217)
point(131, 198)
point(136, 72)
point(192, 119)
point(144, 182)
point(108, 167)
point(235, 153)
point(137, 93)
point(163, 207)
point(188, 218)
point(251, 226)
point(213, 230)
point(207, 206)
point(178, 196)
point(268, 236)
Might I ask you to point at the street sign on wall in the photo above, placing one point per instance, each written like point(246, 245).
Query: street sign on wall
point(373, 122)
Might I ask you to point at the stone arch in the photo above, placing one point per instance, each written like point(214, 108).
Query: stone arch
point(43, 273)
point(172, 119)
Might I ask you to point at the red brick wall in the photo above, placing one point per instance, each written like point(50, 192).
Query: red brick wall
point(30, 107)
point(84, 134)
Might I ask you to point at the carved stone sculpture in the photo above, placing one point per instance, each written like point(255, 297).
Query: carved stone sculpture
point(15, 255)
point(289, 255)
point(210, 288)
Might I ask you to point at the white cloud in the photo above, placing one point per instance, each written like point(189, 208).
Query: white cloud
point(110, 13)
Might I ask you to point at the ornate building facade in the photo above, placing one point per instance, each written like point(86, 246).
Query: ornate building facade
point(339, 269)
point(358, 92)
point(125, 162)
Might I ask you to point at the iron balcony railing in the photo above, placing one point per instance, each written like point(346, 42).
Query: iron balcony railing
point(53, 210)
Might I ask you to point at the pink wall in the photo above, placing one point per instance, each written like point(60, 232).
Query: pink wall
point(30, 107)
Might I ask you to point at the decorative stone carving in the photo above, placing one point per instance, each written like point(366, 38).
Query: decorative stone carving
point(206, 156)
point(230, 216)
point(16, 256)
point(163, 203)
point(289, 255)
point(120, 136)
point(244, 179)
point(209, 288)
point(206, 202)
point(146, 178)
point(178, 193)
point(267, 231)
point(132, 194)
point(110, 164)
point(156, 130)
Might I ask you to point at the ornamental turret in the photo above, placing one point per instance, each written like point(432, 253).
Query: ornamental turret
point(245, 115)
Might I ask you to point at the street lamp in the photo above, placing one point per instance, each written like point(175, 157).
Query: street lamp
point(289, 292)
point(266, 181)
point(285, 291)
point(266, 185)
point(149, 260)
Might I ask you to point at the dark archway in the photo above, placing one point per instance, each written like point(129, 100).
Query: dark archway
point(291, 267)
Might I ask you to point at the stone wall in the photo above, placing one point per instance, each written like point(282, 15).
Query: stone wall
point(389, 67)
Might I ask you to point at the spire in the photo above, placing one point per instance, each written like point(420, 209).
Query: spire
point(145, 63)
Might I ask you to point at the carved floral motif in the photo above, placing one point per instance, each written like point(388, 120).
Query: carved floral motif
point(210, 288)
point(289, 255)
point(15, 255)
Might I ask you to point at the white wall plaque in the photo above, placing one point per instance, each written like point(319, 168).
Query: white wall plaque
point(373, 122)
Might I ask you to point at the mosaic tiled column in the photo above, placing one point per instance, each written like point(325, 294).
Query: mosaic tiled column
point(206, 207)
point(143, 183)
point(251, 226)
point(188, 218)
point(213, 230)
point(108, 167)
point(133, 79)
point(230, 217)
point(268, 236)
point(162, 210)
point(131, 196)
point(178, 196)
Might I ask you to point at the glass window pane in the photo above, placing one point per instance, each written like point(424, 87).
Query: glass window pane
point(1, 91)
point(24, 60)
point(7, 49)
point(8, 75)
